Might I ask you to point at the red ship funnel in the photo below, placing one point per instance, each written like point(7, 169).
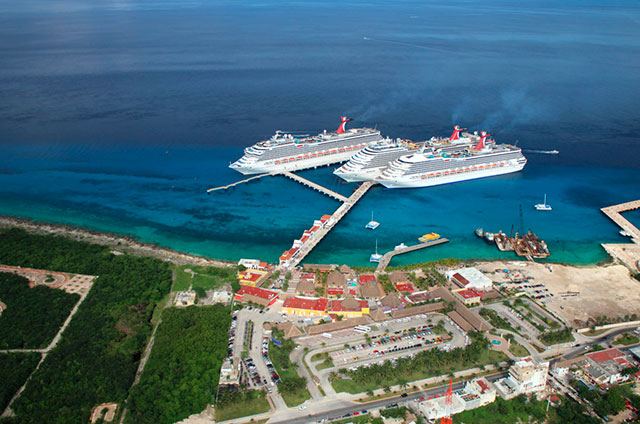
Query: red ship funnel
point(456, 133)
point(343, 123)
point(483, 137)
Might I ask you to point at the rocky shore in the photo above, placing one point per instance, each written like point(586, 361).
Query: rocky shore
point(119, 243)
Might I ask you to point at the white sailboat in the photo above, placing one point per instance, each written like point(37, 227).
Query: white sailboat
point(543, 206)
point(375, 257)
point(372, 225)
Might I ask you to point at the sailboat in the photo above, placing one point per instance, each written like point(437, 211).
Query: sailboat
point(372, 225)
point(543, 206)
point(375, 257)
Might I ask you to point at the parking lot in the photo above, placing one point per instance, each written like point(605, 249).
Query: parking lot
point(409, 341)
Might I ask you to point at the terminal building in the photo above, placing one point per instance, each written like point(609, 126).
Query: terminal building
point(525, 376)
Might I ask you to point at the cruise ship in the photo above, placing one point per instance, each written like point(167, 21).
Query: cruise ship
point(285, 152)
point(434, 166)
point(370, 162)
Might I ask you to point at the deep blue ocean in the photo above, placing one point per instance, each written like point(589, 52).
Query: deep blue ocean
point(118, 115)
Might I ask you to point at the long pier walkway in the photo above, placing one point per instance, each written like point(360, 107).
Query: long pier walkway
point(386, 258)
point(314, 186)
point(614, 212)
point(317, 236)
point(246, 180)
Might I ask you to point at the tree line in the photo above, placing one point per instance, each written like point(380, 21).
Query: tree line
point(181, 376)
point(98, 355)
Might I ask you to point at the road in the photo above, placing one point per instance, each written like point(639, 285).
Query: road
point(340, 412)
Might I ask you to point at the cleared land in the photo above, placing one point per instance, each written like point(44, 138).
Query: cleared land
point(204, 277)
point(603, 290)
point(242, 405)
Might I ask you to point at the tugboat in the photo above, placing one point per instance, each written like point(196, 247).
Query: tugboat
point(479, 232)
point(488, 237)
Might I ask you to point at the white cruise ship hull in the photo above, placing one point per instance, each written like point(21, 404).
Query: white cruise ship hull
point(424, 180)
point(260, 167)
point(368, 174)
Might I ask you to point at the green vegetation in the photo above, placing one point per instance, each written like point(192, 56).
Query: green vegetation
point(626, 339)
point(522, 409)
point(327, 363)
point(605, 403)
point(241, 404)
point(425, 364)
point(430, 264)
point(517, 349)
point(496, 320)
point(604, 320)
point(292, 387)
point(359, 419)
point(399, 412)
point(14, 371)
point(556, 337)
point(204, 277)
point(181, 375)
point(33, 315)
point(550, 322)
point(97, 358)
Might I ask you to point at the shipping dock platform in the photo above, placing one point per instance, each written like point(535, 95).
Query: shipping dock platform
point(386, 258)
point(615, 213)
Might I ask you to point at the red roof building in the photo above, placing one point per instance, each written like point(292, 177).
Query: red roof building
point(367, 278)
point(605, 355)
point(405, 287)
point(469, 296)
point(305, 305)
point(256, 295)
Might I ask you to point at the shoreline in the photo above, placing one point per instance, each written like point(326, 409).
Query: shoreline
point(121, 243)
point(130, 244)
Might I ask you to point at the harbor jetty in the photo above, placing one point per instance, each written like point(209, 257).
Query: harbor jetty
point(246, 180)
point(314, 186)
point(296, 254)
point(386, 258)
point(615, 213)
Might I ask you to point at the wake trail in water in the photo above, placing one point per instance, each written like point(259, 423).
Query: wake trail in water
point(543, 152)
point(402, 43)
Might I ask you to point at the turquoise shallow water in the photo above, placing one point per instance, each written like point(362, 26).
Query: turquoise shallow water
point(165, 202)
point(117, 116)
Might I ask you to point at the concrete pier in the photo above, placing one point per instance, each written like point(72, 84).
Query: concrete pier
point(614, 212)
point(314, 186)
point(317, 236)
point(246, 180)
point(386, 258)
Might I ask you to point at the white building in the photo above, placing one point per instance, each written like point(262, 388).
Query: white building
point(252, 263)
point(525, 376)
point(469, 278)
point(476, 393)
point(186, 298)
point(223, 295)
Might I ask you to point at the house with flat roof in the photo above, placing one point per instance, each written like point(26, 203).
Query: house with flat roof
point(252, 277)
point(469, 278)
point(605, 367)
point(525, 376)
point(469, 296)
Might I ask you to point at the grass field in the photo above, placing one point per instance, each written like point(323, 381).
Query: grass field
point(252, 403)
point(517, 349)
point(206, 278)
point(296, 398)
point(350, 386)
point(626, 339)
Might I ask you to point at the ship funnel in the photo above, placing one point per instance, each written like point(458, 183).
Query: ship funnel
point(343, 124)
point(456, 133)
point(483, 137)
